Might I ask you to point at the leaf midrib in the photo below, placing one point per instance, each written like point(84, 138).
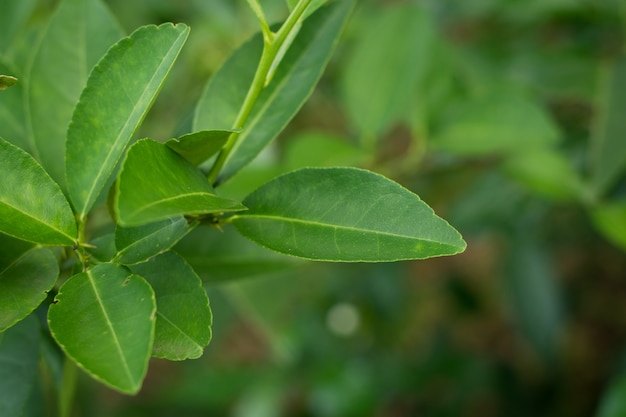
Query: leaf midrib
point(37, 220)
point(168, 199)
point(178, 329)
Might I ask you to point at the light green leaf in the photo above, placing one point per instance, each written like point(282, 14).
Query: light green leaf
point(138, 244)
point(12, 119)
point(345, 215)
point(608, 144)
point(104, 320)
point(546, 172)
point(391, 56)
point(610, 220)
point(78, 34)
point(496, 123)
point(183, 324)
point(13, 17)
point(197, 147)
point(119, 93)
point(32, 206)
point(19, 361)
point(26, 274)
point(156, 183)
point(318, 149)
point(292, 83)
point(226, 256)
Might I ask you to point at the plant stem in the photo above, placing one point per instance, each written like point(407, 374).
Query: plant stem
point(271, 46)
point(68, 388)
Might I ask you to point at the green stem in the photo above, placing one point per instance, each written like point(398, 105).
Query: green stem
point(271, 47)
point(68, 388)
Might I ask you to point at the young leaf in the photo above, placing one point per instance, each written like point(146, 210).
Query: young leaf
point(291, 85)
point(183, 320)
point(219, 257)
point(19, 361)
point(26, 274)
point(78, 34)
point(392, 55)
point(608, 144)
point(119, 93)
point(138, 244)
point(7, 81)
point(32, 206)
point(156, 183)
point(197, 147)
point(104, 320)
point(345, 215)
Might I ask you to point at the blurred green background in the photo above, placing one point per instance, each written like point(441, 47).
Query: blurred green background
point(509, 118)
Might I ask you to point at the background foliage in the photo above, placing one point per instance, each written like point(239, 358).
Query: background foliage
point(505, 117)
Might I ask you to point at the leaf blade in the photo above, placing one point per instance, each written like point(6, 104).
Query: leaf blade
point(344, 215)
point(126, 81)
point(24, 186)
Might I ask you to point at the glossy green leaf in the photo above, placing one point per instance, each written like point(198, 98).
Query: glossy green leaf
point(197, 147)
point(345, 215)
point(292, 83)
point(78, 34)
point(183, 324)
point(19, 361)
point(104, 320)
point(156, 183)
point(119, 93)
point(138, 244)
point(26, 274)
point(608, 144)
point(12, 118)
point(610, 220)
point(226, 256)
point(32, 206)
point(496, 123)
point(390, 57)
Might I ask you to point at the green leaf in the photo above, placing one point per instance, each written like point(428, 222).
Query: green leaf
point(138, 244)
point(32, 206)
point(19, 361)
point(291, 85)
point(608, 145)
point(78, 34)
point(315, 4)
point(346, 215)
point(391, 56)
point(197, 147)
point(183, 324)
point(317, 149)
point(610, 220)
point(102, 248)
point(156, 183)
point(14, 16)
point(12, 118)
point(226, 256)
point(104, 320)
point(26, 274)
point(496, 123)
point(7, 81)
point(119, 93)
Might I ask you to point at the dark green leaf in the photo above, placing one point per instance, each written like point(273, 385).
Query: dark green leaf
point(346, 215)
point(183, 324)
point(102, 248)
point(119, 92)
point(104, 320)
point(391, 56)
point(291, 85)
point(197, 147)
point(19, 361)
point(26, 274)
point(32, 206)
point(78, 34)
point(156, 183)
point(608, 145)
point(226, 256)
point(138, 244)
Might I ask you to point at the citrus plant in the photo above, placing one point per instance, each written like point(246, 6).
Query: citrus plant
point(91, 219)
